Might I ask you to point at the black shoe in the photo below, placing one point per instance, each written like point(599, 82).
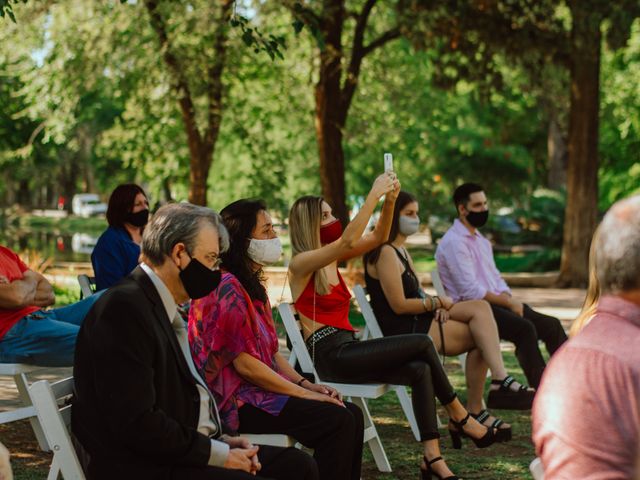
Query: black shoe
point(502, 434)
point(507, 399)
point(428, 474)
point(458, 432)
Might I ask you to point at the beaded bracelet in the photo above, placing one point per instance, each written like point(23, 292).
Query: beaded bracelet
point(437, 301)
point(433, 304)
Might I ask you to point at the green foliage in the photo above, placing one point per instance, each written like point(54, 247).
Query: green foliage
point(87, 104)
point(7, 9)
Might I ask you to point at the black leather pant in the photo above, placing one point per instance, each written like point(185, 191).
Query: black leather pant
point(401, 360)
point(525, 332)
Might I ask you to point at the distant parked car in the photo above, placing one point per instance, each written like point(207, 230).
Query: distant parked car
point(87, 205)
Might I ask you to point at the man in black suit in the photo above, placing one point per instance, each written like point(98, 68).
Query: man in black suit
point(141, 410)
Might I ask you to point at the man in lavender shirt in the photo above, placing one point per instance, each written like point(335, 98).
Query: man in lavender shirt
point(468, 272)
point(586, 415)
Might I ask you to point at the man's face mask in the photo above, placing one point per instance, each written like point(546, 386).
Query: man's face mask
point(478, 219)
point(198, 280)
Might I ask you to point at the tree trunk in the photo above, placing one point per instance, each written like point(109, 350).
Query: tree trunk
point(329, 137)
point(329, 116)
point(198, 174)
point(201, 146)
point(582, 173)
point(557, 156)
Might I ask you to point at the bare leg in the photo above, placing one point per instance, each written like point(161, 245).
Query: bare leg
point(475, 373)
point(431, 451)
point(477, 314)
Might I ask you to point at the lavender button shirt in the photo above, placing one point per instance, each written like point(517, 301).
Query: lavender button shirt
point(466, 265)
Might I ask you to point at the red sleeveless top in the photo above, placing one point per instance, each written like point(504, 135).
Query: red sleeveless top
point(331, 309)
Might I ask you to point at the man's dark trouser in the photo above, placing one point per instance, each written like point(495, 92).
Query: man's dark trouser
point(277, 464)
point(525, 332)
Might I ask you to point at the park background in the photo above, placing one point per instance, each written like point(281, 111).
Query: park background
point(211, 101)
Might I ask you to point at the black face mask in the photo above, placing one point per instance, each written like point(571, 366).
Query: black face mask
point(478, 219)
point(198, 280)
point(138, 219)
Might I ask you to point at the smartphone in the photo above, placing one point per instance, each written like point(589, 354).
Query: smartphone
point(388, 162)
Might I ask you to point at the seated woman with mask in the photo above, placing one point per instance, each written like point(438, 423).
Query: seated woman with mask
point(322, 300)
point(118, 248)
point(234, 344)
point(401, 306)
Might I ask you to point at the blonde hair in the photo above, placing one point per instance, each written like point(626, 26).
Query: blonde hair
point(305, 217)
point(593, 292)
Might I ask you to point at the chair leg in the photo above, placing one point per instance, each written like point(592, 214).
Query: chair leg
point(371, 436)
point(54, 470)
point(22, 384)
point(407, 407)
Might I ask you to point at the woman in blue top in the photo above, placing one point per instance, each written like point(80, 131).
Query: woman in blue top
point(118, 248)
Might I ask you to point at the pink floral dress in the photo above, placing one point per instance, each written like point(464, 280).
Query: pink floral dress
point(222, 325)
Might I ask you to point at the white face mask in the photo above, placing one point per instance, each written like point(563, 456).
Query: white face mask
point(265, 252)
point(408, 225)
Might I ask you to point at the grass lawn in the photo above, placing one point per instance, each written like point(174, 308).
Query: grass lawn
point(500, 461)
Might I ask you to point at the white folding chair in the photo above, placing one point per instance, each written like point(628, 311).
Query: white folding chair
point(273, 439)
point(536, 469)
point(437, 285)
point(55, 421)
point(372, 330)
point(357, 393)
point(19, 373)
point(87, 285)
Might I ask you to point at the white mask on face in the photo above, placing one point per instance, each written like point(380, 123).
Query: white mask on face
point(408, 225)
point(265, 252)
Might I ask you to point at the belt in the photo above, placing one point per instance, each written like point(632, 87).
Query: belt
point(319, 334)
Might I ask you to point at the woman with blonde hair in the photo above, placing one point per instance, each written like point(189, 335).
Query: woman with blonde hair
point(593, 292)
point(322, 300)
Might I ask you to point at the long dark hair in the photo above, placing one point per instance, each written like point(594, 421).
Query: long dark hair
point(404, 199)
point(121, 203)
point(240, 218)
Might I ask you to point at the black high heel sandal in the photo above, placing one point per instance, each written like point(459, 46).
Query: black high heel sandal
point(428, 474)
point(502, 434)
point(456, 434)
point(506, 398)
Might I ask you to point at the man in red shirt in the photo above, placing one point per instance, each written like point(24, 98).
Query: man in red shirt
point(29, 334)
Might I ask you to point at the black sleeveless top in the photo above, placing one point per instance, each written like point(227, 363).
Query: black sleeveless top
point(390, 322)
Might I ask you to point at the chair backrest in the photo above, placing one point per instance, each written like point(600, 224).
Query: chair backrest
point(55, 422)
point(437, 283)
point(372, 329)
point(87, 285)
point(536, 469)
point(299, 350)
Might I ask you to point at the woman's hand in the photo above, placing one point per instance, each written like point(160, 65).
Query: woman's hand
point(446, 302)
point(325, 389)
point(384, 184)
point(441, 315)
point(320, 397)
point(393, 194)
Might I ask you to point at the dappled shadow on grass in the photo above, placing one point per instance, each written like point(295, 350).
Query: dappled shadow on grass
point(27, 460)
point(500, 461)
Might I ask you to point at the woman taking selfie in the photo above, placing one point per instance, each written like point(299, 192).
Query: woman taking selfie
point(322, 301)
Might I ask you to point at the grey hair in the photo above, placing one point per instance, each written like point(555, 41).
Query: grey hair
point(176, 223)
point(618, 247)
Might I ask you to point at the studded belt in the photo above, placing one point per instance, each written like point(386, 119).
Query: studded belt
point(319, 334)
